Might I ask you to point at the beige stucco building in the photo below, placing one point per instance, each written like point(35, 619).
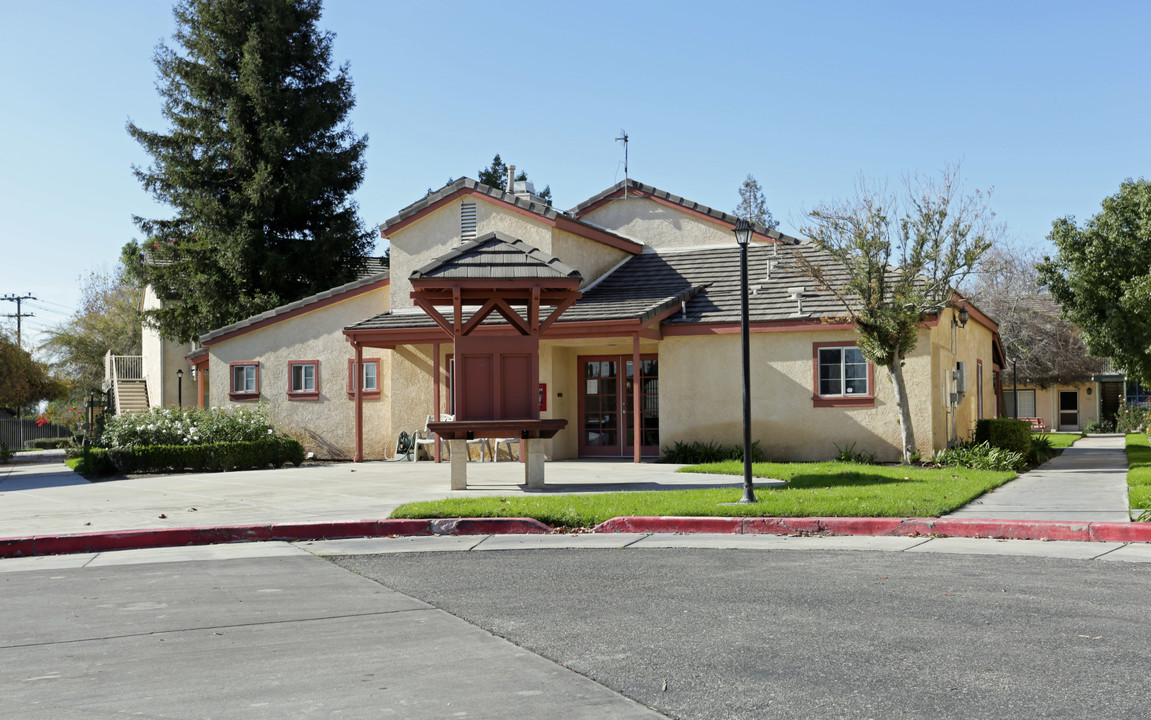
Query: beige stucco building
point(649, 354)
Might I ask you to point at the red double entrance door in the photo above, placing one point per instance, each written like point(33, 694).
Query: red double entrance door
point(607, 415)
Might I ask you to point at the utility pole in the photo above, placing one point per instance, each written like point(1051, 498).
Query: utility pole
point(18, 315)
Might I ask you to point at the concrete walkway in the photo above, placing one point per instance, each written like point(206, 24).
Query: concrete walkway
point(1088, 483)
point(49, 499)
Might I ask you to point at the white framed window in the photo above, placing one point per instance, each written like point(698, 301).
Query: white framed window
point(1026, 403)
point(370, 377)
point(245, 380)
point(842, 372)
point(304, 377)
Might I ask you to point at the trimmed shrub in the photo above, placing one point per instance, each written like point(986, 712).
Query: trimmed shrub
point(48, 443)
point(980, 456)
point(271, 452)
point(1006, 433)
point(696, 452)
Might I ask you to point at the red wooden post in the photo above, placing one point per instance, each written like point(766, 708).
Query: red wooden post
point(636, 411)
point(358, 384)
point(436, 392)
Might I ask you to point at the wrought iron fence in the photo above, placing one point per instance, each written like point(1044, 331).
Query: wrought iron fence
point(14, 433)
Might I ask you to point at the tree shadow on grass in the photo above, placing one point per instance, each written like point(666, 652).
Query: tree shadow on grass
point(807, 481)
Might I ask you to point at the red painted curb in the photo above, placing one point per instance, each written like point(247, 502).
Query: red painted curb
point(895, 527)
point(875, 527)
point(178, 537)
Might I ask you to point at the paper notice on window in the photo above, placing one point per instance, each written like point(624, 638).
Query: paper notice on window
point(592, 387)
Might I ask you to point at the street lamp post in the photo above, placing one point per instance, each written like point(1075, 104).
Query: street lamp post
point(743, 233)
point(180, 387)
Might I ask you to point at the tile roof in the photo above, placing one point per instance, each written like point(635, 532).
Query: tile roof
point(264, 317)
point(633, 184)
point(522, 202)
point(702, 281)
point(496, 256)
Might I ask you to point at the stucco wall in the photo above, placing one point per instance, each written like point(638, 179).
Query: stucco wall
point(658, 225)
point(162, 358)
point(325, 426)
point(949, 345)
point(591, 258)
point(701, 389)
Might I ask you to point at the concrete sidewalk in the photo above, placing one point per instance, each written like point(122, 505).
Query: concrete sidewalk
point(49, 499)
point(1087, 483)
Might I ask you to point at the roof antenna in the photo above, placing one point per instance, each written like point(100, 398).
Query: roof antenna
point(624, 140)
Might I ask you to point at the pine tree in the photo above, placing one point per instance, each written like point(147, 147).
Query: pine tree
point(496, 175)
point(259, 165)
point(753, 205)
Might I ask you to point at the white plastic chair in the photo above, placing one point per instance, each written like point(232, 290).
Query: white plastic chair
point(504, 441)
point(429, 438)
point(422, 438)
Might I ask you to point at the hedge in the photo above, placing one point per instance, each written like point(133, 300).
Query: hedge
point(1006, 433)
point(48, 443)
point(274, 452)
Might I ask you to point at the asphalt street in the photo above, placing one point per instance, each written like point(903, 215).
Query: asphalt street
point(581, 627)
point(729, 634)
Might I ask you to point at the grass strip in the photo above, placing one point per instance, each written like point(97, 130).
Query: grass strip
point(1061, 440)
point(1139, 471)
point(812, 490)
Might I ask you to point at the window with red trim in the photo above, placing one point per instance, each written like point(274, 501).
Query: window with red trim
point(304, 380)
point(842, 377)
point(244, 381)
point(371, 378)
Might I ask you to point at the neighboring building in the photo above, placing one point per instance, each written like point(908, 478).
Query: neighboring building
point(1055, 382)
point(158, 376)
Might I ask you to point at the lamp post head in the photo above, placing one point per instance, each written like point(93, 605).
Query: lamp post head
point(960, 318)
point(180, 374)
point(742, 231)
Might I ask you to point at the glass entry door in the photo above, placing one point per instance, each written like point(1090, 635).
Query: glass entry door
point(606, 409)
point(1068, 410)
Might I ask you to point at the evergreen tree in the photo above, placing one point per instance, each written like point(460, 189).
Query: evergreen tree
point(496, 175)
point(753, 205)
point(258, 164)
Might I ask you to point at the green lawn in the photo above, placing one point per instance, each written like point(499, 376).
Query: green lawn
point(1139, 471)
point(1060, 440)
point(812, 490)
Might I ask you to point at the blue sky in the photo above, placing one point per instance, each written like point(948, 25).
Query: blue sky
point(1045, 102)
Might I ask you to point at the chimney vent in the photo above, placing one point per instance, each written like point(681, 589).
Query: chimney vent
point(511, 177)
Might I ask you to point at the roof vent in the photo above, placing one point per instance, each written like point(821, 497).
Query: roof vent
point(467, 221)
point(796, 294)
point(523, 187)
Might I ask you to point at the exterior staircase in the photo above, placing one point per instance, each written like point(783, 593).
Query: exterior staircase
point(124, 375)
point(131, 396)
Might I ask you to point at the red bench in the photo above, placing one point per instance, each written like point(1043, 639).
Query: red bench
point(1037, 424)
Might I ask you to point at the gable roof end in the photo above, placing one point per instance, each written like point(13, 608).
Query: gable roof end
point(662, 195)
